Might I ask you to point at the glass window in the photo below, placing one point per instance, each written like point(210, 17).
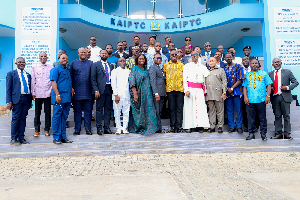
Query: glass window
point(193, 7)
point(141, 9)
point(214, 5)
point(115, 7)
point(166, 9)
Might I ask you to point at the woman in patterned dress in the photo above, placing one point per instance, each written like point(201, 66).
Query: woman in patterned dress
point(142, 117)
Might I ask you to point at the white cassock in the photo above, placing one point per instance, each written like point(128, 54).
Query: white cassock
point(120, 86)
point(194, 109)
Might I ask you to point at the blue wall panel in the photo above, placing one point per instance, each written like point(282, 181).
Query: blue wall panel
point(72, 53)
point(256, 46)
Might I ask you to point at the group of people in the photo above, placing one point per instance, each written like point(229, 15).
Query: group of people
point(137, 84)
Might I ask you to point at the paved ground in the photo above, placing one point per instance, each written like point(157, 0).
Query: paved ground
point(198, 176)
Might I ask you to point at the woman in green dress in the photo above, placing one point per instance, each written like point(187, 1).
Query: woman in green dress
point(142, 117)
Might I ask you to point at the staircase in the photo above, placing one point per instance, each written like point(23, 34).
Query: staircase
point(162, 143)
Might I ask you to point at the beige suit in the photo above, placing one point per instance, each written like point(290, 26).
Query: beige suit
point(216, 84)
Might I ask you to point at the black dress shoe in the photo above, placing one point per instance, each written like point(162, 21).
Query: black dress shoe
point(89, 132)
point(176, 130)
point(172, 130)
point(211, 130)
point(99, 132)
point(288, 137)
point(201, 130)
point(76, 133)
point(188, 131)
point(57, 142)
point(108, 131)
point(15, 142)
point(220, 130)
point(66, 141)
point(23, 141)
point(245, 129)
point(250, 137)
point(231, 130)
point(264, 137)
point(240, 131)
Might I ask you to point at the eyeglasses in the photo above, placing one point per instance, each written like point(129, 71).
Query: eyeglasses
point(188, 40)
point(159, 58)
point(152, 39)
point(93, 39)
point(197, 49)
point(172, 45)
point(195, 54)
point(174, 54)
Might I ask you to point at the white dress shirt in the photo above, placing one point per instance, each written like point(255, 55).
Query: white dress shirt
point(151, 50)
point(95, 52)
point(109, 74)
point(238, 60)
point(26, 78)
point(119, 83)
point(246, 70)
point(279, 81)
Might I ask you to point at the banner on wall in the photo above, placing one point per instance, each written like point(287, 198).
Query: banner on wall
point(287, 20)
point(288, 50)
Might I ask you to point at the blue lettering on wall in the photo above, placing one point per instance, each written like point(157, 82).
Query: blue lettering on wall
point(129, 23)
point(174, 25)
point(142, 25)
point(136, 24)
point(167, 25)
point(119, 23)
point(112, 21)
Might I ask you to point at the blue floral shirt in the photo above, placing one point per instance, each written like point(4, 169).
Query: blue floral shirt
point(233, 75)
point(256, 83)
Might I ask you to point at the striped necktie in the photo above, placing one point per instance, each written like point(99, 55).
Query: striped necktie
point(106, 72)
point(24, 83)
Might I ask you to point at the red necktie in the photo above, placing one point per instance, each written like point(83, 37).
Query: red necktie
point(276, 83)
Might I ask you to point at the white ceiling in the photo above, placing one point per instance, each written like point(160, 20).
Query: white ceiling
point(78, 34)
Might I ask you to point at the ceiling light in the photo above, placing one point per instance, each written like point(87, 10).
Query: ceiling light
point(245, 29)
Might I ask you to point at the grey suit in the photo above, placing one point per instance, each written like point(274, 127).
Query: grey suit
point(158, 84)
point(281, 103)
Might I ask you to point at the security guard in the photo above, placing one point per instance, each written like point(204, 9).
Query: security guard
point(61, 94)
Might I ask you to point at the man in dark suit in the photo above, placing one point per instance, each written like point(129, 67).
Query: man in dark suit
point(166, 49)
point(220, 63)
point(18, 99)
point(283, 82)
point(208, 53)
point(220, 48)
point(120, 52)
point(188, 41)
point(158, 84)
point(101, 76)
point(136, 41)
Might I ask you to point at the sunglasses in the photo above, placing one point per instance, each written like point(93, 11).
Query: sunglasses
point(159, 58)
point(93, 39)
point(172, 45)
point(174, 54)
point(188, 40)
point(195, 54)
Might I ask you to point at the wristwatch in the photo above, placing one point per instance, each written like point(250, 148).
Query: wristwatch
point(231, 89)
point(156, 94)
point(268, 96)
point(58, 95)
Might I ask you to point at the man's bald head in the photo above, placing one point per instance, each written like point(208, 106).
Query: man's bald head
point(276, 63)
point(212, 62)
point(82, 53)
point(122, 62)
point(43, 57)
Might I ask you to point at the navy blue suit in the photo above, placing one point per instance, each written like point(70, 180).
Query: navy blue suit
point(83, 98)
point(21, 103)
point(105, 101)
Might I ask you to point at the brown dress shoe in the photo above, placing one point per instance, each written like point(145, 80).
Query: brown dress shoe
point(47, 133)
point(288, 137)
point(279, 136)
point(220, 130)
point(36, 134)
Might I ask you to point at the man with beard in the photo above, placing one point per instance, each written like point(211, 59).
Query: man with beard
point(136, 41)
point(121, 97)
point(175, 93)
point(220, 48)
point(150, 57)
point(235, 59)
point(61, 99)
point(195, 110)
point(151, 48)
point(111, 59)
point(125, 47)
point(235, 75)
point(166, 48)
point(18, 99)
point(59, 53)
point(145, 49)
point(80, 71)
point(120, 53)
point(257, 91)
point(41, 93)
point(158, 85)
point(281, 98)
point(94, 49)
point(130, 62)
point(89, 53)
point(188, 41)
point(171, 47)
point(101, 83)
point(187, 55)
point(208, 53)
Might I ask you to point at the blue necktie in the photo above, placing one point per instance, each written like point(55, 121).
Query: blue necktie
point(106, 72)
point(207, 55)
point(24, 83)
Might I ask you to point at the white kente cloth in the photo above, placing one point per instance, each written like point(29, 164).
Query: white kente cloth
point(120, 86)
point(194, 109)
